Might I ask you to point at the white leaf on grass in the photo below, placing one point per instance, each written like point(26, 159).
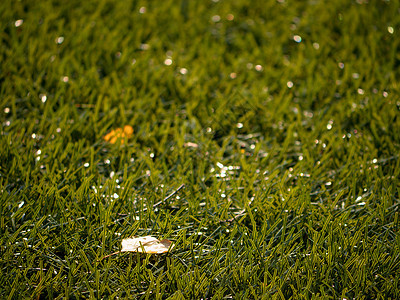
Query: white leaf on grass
point(146, 244)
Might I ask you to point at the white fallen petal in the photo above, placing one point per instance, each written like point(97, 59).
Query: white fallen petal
point(147, 244)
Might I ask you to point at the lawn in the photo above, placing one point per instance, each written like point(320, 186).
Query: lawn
point(265, 146)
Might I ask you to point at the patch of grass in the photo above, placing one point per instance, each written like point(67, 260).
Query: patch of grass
point(291, 180)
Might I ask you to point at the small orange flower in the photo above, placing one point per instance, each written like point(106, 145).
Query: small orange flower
point(119, 134)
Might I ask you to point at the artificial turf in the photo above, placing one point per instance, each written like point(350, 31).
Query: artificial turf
point(280, 118)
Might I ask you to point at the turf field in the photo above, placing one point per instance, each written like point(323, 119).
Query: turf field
point(264, 142)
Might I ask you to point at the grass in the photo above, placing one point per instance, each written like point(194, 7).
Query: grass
point(292, 180)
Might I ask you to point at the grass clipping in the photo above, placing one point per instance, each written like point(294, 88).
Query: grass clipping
point(144, 244)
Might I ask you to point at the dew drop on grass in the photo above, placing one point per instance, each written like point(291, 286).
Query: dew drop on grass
point(59, 40)
point(390, 29)
point(19, 22)
point(316, 46)
point(183, 71)
point(289, 84)
point(144, 47)
point(297, 38)
point(259, 68)
point(216, 18)
point(341, 65)
point(142, 10)
point(43, 98)
point(6, 110)
point(86, 165)
point(230, 17)
point(308, 114)
point(239, 125)
point(233, 75)
point(168, 62)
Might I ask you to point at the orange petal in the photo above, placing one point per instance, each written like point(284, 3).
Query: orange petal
point(128, 130)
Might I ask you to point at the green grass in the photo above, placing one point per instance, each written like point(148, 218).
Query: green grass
point(292, 192)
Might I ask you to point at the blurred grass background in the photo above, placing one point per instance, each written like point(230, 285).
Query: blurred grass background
point(291, 178)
